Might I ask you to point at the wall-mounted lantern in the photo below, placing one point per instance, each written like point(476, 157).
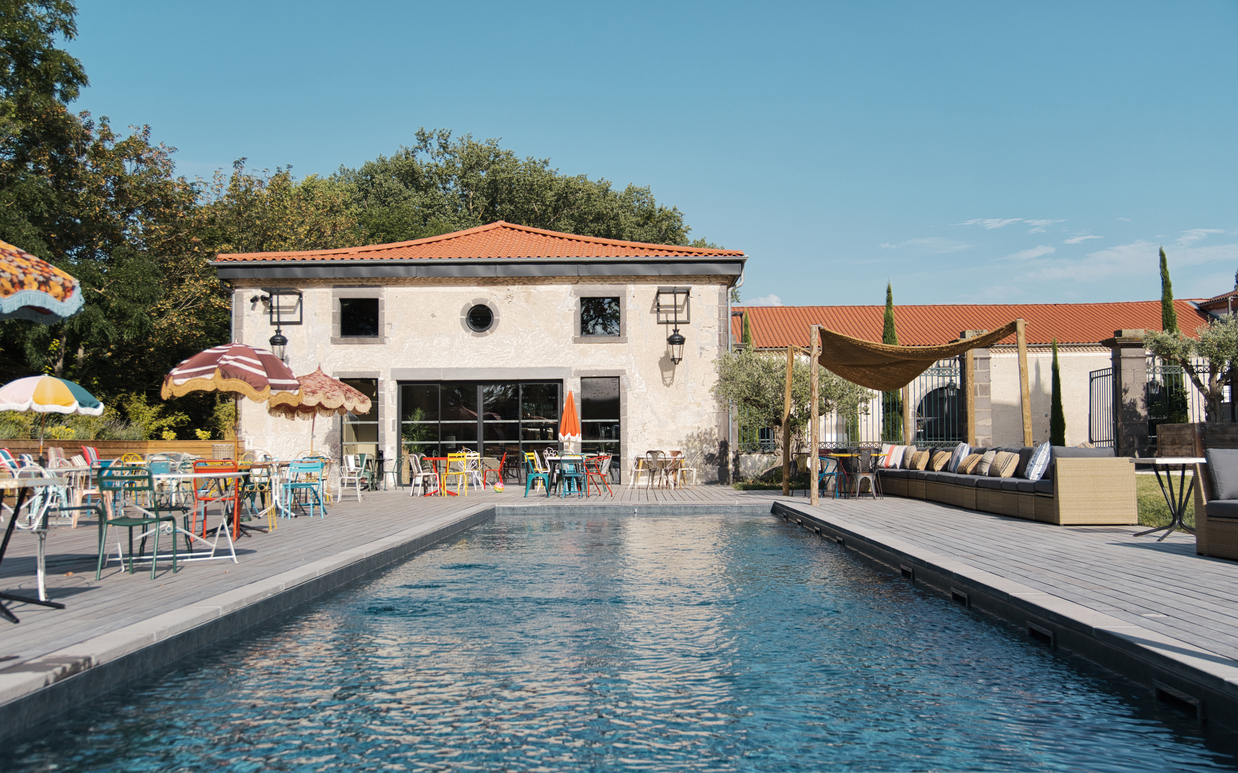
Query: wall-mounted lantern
point(672, 310)
point(281, 301)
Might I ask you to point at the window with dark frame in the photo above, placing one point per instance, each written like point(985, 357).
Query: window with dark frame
point(359, 318)
point(599, 317)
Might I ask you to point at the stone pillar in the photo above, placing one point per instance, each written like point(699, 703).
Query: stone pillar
point(977, 393)
point(1130, 391)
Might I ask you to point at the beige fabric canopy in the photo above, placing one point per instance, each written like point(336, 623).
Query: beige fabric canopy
point(886, 368)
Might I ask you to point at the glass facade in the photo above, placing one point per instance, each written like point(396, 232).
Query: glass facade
point(599, 418)
point(494, 417)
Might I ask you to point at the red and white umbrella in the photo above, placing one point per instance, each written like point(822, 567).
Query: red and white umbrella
point(322, 395)
point(569, 424)
point(237, 370)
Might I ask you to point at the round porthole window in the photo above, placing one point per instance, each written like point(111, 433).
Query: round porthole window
point(480, 318)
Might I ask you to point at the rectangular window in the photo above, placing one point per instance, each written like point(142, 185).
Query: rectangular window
point(358, 318)
point(599, 317)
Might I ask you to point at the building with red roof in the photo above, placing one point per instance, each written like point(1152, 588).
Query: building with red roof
point(473, 340)
point(1081, 330)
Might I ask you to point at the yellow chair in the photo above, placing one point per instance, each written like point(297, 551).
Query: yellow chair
point(458, 466)
point(132, 458)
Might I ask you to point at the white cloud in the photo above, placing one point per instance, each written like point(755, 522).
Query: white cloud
point(1039, 226)
point(1125, 219)
point(992, 222)
point(931, 244)
point(1135, 265)
point(1196, 234)
point(1080, 238)
point(764, 300)
point(1033, 253)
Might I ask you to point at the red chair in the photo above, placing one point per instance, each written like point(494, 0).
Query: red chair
point(496, 473)
point(221, 491)
point(597, 471)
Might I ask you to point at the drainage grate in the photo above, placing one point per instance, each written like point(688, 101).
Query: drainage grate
point(1039, 633)
point(1179, 700)
point(960, 598)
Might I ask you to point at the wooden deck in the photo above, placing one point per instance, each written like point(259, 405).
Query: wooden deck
point(1162, 590)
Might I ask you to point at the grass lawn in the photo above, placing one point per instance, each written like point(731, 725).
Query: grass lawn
point(1151, 502)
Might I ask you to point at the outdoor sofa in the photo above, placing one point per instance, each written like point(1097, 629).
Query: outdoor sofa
point(1216, 504)
point(1080, 486)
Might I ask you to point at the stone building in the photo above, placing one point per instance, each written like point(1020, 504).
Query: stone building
point(473, 339)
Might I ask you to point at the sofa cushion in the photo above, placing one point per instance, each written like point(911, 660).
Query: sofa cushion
point(986, 461)
point(1025, 456)
point(1004, 464)
point(939, 461)
point(895, 459)
point(968, 465)
point(1037, 463)
point(960, 453)
point(1223, 466)
point(1011, 484)
point(1025, 486)
point(1222, 508)
point(908, 453)
point(989, 483)
point(895, 473)
point(1043, 486)
point(969, 481)
point(919, 460)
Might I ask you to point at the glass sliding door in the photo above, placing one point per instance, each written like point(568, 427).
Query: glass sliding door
point(599, 419)
point(359, 434)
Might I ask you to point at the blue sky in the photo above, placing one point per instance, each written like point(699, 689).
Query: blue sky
point(966, 152)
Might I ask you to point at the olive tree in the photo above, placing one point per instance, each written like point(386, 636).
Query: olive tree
point(1209, 360)
point(756, 381)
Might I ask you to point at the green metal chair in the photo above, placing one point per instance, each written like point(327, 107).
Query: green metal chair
point(124, 484)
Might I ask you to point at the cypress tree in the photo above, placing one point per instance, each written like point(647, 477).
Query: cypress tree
point(1057, 416)
point(888, 334)
point(1169, 317)
point(746, 336)
point(891, 402)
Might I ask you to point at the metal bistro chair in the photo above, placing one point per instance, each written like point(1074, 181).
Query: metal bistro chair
point(866, 471)
point(535, 473)
point(571, 475)
point(830, 471)
point(458, 468)
point(656, 463)
point(353, 472)
point(305, 478)
point(598, 474)
point(120, 483)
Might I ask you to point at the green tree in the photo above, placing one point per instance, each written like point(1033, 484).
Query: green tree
point(746, 336)
point(891, 402)
point(443, 184)
point(755, 381)
point(1169, 316)
point(1208, 360)
point(1057, 415)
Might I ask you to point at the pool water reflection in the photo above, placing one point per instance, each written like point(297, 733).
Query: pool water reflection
point(728, 643)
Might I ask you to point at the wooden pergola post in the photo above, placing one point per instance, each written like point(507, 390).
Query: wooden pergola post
point(786, 426)
point(1024, 390)
point(814, 433)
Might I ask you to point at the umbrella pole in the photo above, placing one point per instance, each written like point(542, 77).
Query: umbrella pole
point(42, 422)
point(236, 429)
point(313, 423)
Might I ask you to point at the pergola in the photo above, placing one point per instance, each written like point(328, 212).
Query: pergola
point(887, 368)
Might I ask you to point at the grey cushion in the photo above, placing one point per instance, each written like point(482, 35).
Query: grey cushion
point(969, 481)
point(1011, 484)
point(1222, 508)
point(1025, 456)
point(1026, 486)
point(893, 472)
point(1043, 486)
point(990, 483)
point(1223, 466)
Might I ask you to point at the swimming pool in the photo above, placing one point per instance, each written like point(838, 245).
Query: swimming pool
point(730, 643)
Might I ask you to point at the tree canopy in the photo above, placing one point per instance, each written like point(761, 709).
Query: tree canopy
point(109, 208)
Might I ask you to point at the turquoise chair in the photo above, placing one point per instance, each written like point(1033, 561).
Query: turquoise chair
point(534, 472)
point(305, 476)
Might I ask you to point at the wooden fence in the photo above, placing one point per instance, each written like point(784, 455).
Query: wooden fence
point(112, 449)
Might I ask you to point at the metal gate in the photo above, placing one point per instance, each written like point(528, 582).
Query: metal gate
point(936, 410)
point(1100, 408)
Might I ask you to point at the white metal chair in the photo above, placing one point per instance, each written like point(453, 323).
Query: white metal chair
point(353, 473)
point(421, 481)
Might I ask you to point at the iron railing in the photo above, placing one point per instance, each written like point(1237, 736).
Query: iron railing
point(1100, 408)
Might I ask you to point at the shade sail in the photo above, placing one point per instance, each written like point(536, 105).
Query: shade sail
point(886, 368)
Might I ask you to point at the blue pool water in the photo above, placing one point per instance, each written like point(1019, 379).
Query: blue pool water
point(712, 643)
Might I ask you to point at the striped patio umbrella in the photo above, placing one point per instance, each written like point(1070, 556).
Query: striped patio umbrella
point(31, 288)
point(322, 395)
point(48, 394)
point(237, 370)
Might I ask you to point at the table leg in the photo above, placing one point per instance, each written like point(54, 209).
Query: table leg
point(4, 546)
point(1175, 501)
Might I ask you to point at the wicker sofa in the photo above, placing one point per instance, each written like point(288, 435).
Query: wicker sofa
point(1081, 486)
point(1216, 508)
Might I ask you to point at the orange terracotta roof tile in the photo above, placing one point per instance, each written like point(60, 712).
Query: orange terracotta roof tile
point(497, 240)
point(1069, 323)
